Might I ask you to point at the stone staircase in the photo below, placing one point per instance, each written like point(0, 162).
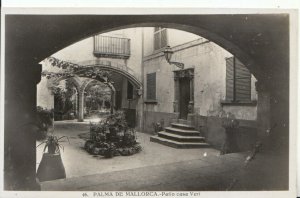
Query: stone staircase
point(180, 135)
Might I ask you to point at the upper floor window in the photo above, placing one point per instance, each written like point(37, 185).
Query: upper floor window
point(111, 47)
point(160, 38)
point(151, 86)
point(238, 81)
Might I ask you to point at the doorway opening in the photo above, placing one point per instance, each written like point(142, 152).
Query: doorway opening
point(184, 92)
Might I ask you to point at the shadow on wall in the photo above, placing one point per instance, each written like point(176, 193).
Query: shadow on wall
point(211, 128)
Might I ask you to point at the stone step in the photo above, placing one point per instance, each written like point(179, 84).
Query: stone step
point(182, 131)
point(182, 126)
point(180, 138)
point(176, 144)
point(182, 121)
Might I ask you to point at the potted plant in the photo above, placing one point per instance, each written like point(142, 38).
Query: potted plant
point(51, 166)
point(231, 125)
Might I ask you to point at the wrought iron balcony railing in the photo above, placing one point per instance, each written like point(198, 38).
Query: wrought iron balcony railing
point(111, 47)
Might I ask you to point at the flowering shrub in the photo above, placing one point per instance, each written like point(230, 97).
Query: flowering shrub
point(112, 136)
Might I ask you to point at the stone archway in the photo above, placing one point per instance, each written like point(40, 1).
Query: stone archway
point(82, 89)
point(95, 70)
point(31, 38)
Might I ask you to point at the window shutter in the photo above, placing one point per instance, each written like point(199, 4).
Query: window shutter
point(243, 82)
point(238, 81)
point(160, 38)
point(229, 79)
point(151, 86)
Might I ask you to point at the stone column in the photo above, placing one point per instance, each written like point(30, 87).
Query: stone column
point(273, 115)
point(279, 113)
point(103, 105)
point(76, 104)
point(112, 101)
point(263, 110)
point(113, 98)
point(21, 78)
point(80, 105)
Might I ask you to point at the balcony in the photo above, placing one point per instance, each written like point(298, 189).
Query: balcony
point(111, 47)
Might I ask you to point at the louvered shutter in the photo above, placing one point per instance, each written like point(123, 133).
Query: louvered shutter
point(151, 86)
point(242, 82)
point(238, 83)
point(160, 38)
point(229, 79)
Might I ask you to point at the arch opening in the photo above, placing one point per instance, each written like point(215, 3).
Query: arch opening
point(261, 51)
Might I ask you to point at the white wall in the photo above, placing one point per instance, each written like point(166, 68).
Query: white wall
point(208, 61)
point(45, 98)
point(174, 37)
point(207, 58)
point(83, 50)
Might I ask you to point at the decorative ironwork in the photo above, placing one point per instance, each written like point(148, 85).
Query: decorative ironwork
point(168, 55)
point(177, 64)
point(111, 47)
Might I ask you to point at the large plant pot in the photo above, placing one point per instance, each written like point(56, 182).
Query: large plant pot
point(51, 168)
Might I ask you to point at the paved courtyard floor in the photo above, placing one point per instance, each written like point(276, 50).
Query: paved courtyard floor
point(80, 163)
point(162, 168)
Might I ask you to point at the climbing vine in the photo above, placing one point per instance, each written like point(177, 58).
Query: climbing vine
point(72, 69)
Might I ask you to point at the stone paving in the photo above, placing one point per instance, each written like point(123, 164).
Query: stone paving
point(162, 168)
point(80, 163)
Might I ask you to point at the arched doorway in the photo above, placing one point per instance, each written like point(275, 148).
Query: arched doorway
point(98, 100)
point(89, 72)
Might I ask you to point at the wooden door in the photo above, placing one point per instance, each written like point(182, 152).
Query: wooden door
point(184, 97)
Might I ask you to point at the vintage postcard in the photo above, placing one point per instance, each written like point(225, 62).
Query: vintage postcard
point(140, 102)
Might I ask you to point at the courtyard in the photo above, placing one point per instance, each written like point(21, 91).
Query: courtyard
point(78, 162)
point(210, 108)
point(157, 167)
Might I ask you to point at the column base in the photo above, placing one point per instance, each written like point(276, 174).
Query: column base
point(24, 185)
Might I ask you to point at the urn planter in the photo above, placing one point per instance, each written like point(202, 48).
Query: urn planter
point(51, 167)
